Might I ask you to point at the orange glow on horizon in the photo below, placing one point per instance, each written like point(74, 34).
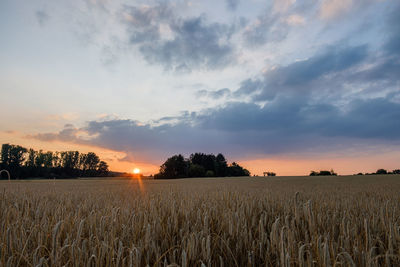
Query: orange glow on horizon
point(113, 158)
point(294, 165)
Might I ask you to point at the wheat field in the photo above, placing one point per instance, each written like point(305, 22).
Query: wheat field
point(279, 221)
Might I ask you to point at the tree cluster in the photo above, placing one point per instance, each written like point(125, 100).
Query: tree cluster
point(382, 171)
point(24, 163)
point(199, 165)
point(323, 173)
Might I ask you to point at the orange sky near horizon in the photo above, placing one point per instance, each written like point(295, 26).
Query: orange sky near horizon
point(295, 164)
point(113, 158)
point(342, 165)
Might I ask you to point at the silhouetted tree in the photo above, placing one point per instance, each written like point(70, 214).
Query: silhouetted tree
point(323, 173)
point(221, 165)
point(196, 170)
point(30, 162)
point(381, 171)
point(102, 169)
point(5, 155)
point(175, 167)
point(89, 163)
point(237, 170)
point(21, 163)
point(12, 158)
point(208, 161)
point(199, 165)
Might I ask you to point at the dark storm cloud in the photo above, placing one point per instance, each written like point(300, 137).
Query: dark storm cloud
point(179, 44)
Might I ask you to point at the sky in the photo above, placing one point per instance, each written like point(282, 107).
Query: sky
point(285, 86)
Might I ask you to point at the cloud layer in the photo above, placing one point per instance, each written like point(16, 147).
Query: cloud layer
point(341, 95)
point(179, 44)
point(282, 77)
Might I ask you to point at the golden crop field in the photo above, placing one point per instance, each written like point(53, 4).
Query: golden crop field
point(278, 221)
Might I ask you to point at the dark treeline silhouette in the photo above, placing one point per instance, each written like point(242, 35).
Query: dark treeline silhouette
point(382, 171)
point(25, 163)
point(199, 165)
point(323, 173)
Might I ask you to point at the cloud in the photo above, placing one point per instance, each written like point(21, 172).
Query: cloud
point(144, 22)
point(295, 20)
point(333, 8)
point(269, 27)
point(285, 125)
point(392, 46)
point(218, 94)
point(179, 44)
point(282, 6)
point(248, 87)
point(232, 4)
point(68, 134)
point(304, 76)
point(275, 23)
point(342, 97)
point(290, 117)
point(108, 56)
point(195, 46)
point(42, 17)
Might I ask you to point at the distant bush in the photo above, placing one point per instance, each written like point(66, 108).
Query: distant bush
point(323, 173)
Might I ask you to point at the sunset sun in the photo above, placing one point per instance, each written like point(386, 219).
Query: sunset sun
point(136, 171)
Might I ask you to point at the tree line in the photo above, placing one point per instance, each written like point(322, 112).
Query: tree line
point(23, 163)
point(332, 173)
point(382, 171)
point(323, 173)
point(199, 165)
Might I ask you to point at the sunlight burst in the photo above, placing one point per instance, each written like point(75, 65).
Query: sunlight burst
point(136, 171)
